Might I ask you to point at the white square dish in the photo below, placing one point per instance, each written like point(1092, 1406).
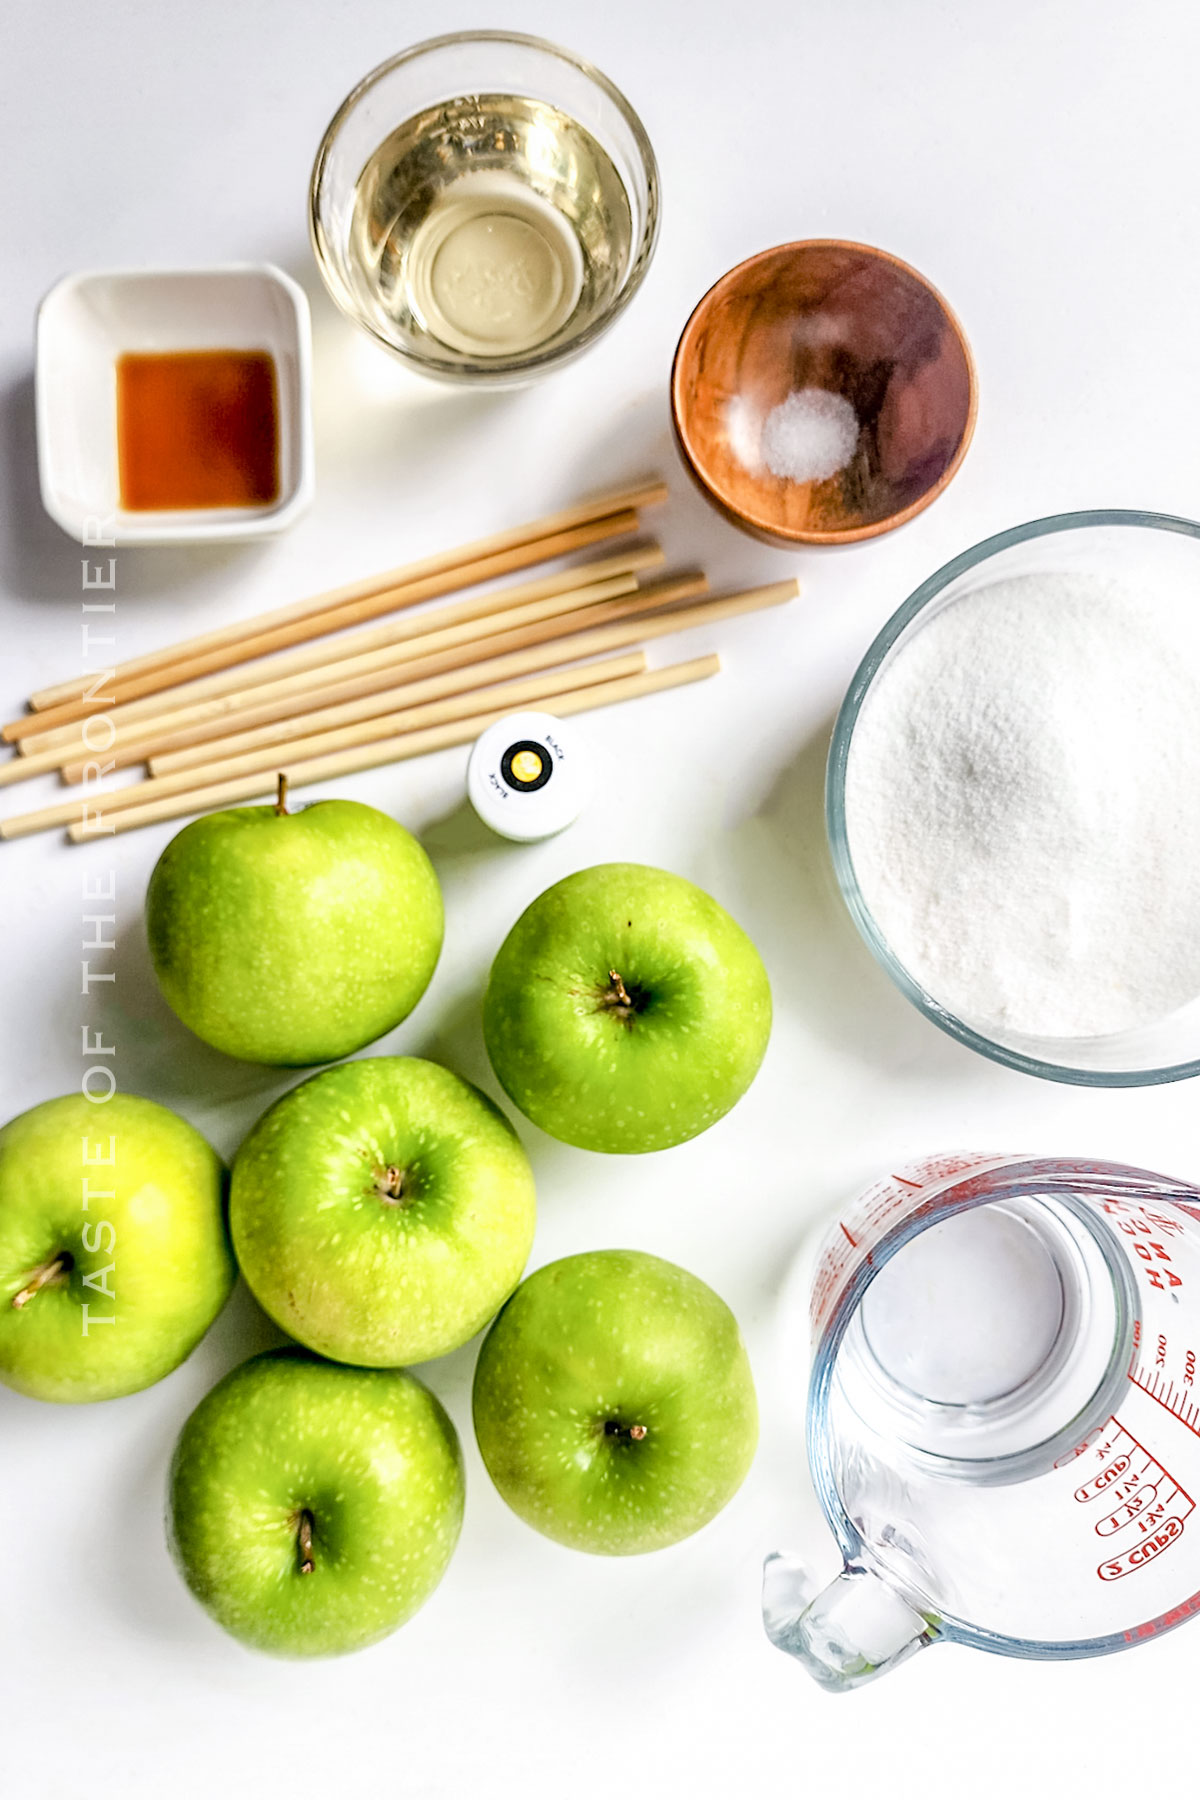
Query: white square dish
point(89, 320)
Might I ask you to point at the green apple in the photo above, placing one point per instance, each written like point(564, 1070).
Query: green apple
point(382, 1211)
point(314, 1508)
point(294, 937)
point(114, 1253)
point(626, 1010)
point(614, 1404)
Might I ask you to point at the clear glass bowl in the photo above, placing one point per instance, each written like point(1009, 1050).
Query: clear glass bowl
point(425, 80)
point(1141, 547)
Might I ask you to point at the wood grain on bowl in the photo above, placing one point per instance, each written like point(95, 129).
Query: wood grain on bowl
point(846, 319)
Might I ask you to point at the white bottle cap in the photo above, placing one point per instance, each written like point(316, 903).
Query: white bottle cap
point(529, 776)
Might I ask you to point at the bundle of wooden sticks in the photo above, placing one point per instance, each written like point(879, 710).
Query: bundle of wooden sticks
point(218, 718)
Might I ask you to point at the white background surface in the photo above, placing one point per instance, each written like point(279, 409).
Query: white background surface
point(1037, 161)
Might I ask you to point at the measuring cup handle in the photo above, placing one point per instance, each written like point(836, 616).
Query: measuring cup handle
point(856, 1628)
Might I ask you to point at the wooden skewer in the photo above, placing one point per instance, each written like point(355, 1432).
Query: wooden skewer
point(194, 749)
point(506, 697)
point(373, 756)
point(292, 662)
point(574, 642)
point(132, 725)
point(168, 749)
point(452, 648)
point(144, 725)
point(629, 499)
point(595, 642)
point(316, 625)
point(467, 680)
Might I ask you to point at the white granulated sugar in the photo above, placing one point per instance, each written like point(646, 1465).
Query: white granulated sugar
point(809, 436)
point(1023, 805)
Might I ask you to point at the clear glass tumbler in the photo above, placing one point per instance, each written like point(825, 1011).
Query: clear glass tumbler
point(485, 205)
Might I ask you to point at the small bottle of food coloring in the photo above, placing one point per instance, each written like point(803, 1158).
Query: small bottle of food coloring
point(530, 775)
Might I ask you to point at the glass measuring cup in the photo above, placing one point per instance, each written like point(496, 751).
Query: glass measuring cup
point(1004, 1416)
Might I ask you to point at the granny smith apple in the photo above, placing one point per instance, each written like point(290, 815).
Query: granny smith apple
point(382, 1211)
point(626, 1010)
point(294, 937)
point(314, 1508)
point(114, 1252)
point(614, 1405)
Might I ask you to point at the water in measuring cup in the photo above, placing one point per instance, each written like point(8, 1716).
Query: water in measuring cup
point(987, 1337)
point(1003, 1426)
point(485, 225)
point(967, 1312)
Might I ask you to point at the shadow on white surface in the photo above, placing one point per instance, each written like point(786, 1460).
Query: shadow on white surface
point(784, 1372)
point(40, 562)
point(159, 1056)
point(460, 839)
point(639, 438)
point(370, 408)
point(457, 1043)
point(820, 967)
point(135, 1578)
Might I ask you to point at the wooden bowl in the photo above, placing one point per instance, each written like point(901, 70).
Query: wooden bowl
point(852, 322)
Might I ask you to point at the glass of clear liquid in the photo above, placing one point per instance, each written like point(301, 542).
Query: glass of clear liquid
point(484, 205)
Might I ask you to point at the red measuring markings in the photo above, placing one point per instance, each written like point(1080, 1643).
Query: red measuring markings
point(1132, 1560)
point(1139, 1495)
point(1178, 1401)
point(1151, 1230)
point(863, 1226)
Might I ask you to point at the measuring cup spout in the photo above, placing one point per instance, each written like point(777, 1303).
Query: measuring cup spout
point(853, 1630)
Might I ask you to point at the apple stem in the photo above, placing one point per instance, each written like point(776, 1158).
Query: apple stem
point(304, 1542)
point(618, 1000)
point(619, 989)
point(50, 1271)
point(389, 1183)
point(614, 1428)
point(281, 792)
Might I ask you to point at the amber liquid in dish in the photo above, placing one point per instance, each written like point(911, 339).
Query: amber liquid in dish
point(197, 429)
